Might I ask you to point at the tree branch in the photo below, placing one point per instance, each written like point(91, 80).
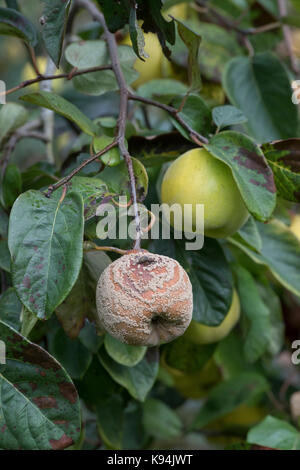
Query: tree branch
point(26, 131)
point(67, 178)
point(68, 76)
point(174, 113)
point(124, 95)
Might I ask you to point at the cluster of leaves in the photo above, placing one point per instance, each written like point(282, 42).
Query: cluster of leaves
point(55, 352)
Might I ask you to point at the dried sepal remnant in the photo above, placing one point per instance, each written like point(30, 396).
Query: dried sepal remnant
point(144, 299)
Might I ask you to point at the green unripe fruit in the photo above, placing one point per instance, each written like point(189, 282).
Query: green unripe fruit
point(199, 178)
point(202, 334)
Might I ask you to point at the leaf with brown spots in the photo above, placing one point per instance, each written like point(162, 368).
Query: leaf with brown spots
point(284, 158)
point(250, 170)
point(39, 406)
point(45, 242)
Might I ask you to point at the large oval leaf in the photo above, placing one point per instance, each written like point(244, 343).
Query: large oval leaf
point(250, 171)
point(283, 158)
point(39, 406)
point(55, 15)
point(13, 23)
point(45, 242)
point(280, 252)
point(139, 379)
point(260, 87)
point(65, 108)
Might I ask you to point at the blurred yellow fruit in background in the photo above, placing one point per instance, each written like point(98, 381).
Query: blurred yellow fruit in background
point(295, 226)
point(28, 73)
point(202, 334)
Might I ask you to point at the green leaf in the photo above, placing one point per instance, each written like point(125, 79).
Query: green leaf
point(275, 433)
point(45, 402)
point(162, 86)
point(116, 13)
point(12, 4)
point(250, 171)
point(218, 46)
point(81, 302)
point(92, 191)
point(110, 416)
point(12, 116)
point(249, 233)
point(45, 242)
point(86, 54)
point(195, 113)
point(71, 353)
point(118, 181)
point(4, 256)
point(160, 421)
point(11, 185)
point(280, 252)
point(139, 379)
point(154, 21)
point(136, 35)
point(227, 115)
point(60, 105)
point(122, 353)
point(227, 396)
point(266, 103)
point(55, 15)
point(96, 386)
point(192, 41)
point(110, 158)
point(187, 357)
point(283, 158)
point(159, 149)
point(29, 321)
point(257, 313)
point(10, 308)
point(13, 23)
point(3, 223)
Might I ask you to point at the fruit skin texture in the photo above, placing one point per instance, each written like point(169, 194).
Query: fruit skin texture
point(144, 299)
point(202, 334)
point(152, 67)
point(196, 177)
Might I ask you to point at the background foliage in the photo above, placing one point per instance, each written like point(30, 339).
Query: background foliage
point(226, 74)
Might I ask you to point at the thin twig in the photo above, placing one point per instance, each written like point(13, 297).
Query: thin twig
point(26, 131)
point(34, 60)
point(124, 95)
point(67, 178)
point(174, 113)
point(89, 246)
point(231, 25)
point(67, 76)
